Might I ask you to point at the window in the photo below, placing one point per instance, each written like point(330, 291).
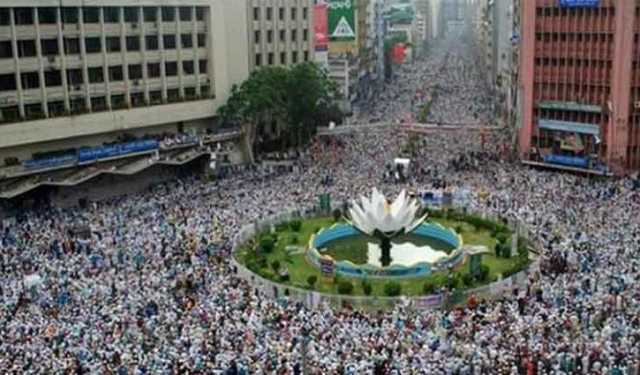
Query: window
point(294, 57)
point(294, 13)
point(256, 36)
point(306, 55)
point(168, 14)
point(118, 101)
point(92, 45)
point(294, 35)
point(282, 35)
point(74, 77)
point(149, 14)
point(270, 58)
point(26, 48)
point(202, 40)
point(187, 67)
point(171, 69)
point(169, 41)
point(283, 58)
point(30, 80)
point(111, 15)
point(202, 66)
point(99, 104)
point(96, 75)
point(305, 13)
point(258, 59)
point(47, 16)
point(56, 108)
point(7, 82)
point(200, 14)
point(151, 42)
point(23, 16)
point(185, 13)
point(269, 36)
point(281, 14)
point(71, 46)
point(6, 51)
point(53, 78)
point(69, 15)
point(133, 43)
point(49, 47)
point(112, 44)
point(256, 14)
point(173, 95)
point(153, 70)
point(91, 15)
point(305, 35)
point(186, 41)
point(5, 19)
point(269, 13)
point(155, 97)
point(135, 72)
point(137, 99)
point(130, 14)
point(115, 73)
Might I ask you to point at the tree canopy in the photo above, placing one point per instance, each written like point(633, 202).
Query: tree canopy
point(296, 100)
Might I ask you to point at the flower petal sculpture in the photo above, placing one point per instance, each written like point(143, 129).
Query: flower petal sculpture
point(376, 215)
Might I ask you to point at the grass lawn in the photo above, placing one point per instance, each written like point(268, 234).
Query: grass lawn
point(300, 270)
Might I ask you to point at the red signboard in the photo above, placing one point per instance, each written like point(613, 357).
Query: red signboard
point(321, 27)
point(399, 53)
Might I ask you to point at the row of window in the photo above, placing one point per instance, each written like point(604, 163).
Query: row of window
point(257, 36)
point(48, 15)
point(99, 103)
point(574, 11)
point(574, 37)
point(257, 13)
point(283, 58)
point(573, 62)
point(30, 80)
point(27, 48)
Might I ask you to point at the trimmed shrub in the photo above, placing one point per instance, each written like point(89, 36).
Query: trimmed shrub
point(295, 225)
point(345, 287)
point(428, 287)
point(311, 281)
point(366, 287)
point(501, 237)
point(267, 244)
point(392, 289)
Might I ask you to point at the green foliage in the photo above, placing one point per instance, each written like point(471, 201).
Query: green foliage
point(366, 287)
point(453, 281)
point(428, 287)
point(392, 289)
point(294, 240)
point(311, 281)
point(467, 279)
point(267, 243)
point(275, 266)
point(484, 273)
point(501, 237)
point(337, 215)
point(282, 227)
point(345, 287)
point(295, 225)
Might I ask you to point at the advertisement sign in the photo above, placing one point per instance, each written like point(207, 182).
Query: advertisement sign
point(321, 27)
point(342, 25)
point(580, 3)
point(399, 53)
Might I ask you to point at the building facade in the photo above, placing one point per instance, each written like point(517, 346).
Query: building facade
point(280, 32)
point(580, 77)
point(79, 72)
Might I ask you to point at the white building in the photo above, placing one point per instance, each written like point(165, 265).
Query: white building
point(80, 72)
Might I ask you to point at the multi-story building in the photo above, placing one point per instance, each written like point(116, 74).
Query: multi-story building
point(280, 32)
point(78, 72)
point(580, 77)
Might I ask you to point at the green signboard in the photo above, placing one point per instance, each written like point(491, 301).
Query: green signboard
point(342, 25)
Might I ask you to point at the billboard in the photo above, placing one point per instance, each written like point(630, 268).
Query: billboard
point(342, 25)
point(580, 3)
point(321, 27)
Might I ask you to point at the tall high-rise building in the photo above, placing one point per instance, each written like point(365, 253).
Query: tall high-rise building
point(580, 81)
point(280, 32)
point(80, 73)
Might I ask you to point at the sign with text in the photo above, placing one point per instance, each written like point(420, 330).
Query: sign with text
point(321, 27)
point(580, 3)
point(342, 25)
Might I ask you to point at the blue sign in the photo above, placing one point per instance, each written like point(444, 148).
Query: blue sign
point(51, 162)
point(580, 3)
point(572, 161)
point(96, 153)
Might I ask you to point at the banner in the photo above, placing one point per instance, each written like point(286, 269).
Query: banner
point(342, 26)
point(321, 27)
point(580, 3)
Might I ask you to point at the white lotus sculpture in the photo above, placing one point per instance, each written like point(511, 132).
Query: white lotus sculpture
point(377, 215)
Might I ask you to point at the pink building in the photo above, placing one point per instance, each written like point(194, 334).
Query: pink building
point(580, 79)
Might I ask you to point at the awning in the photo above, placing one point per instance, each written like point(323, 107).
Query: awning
point(567, 126)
